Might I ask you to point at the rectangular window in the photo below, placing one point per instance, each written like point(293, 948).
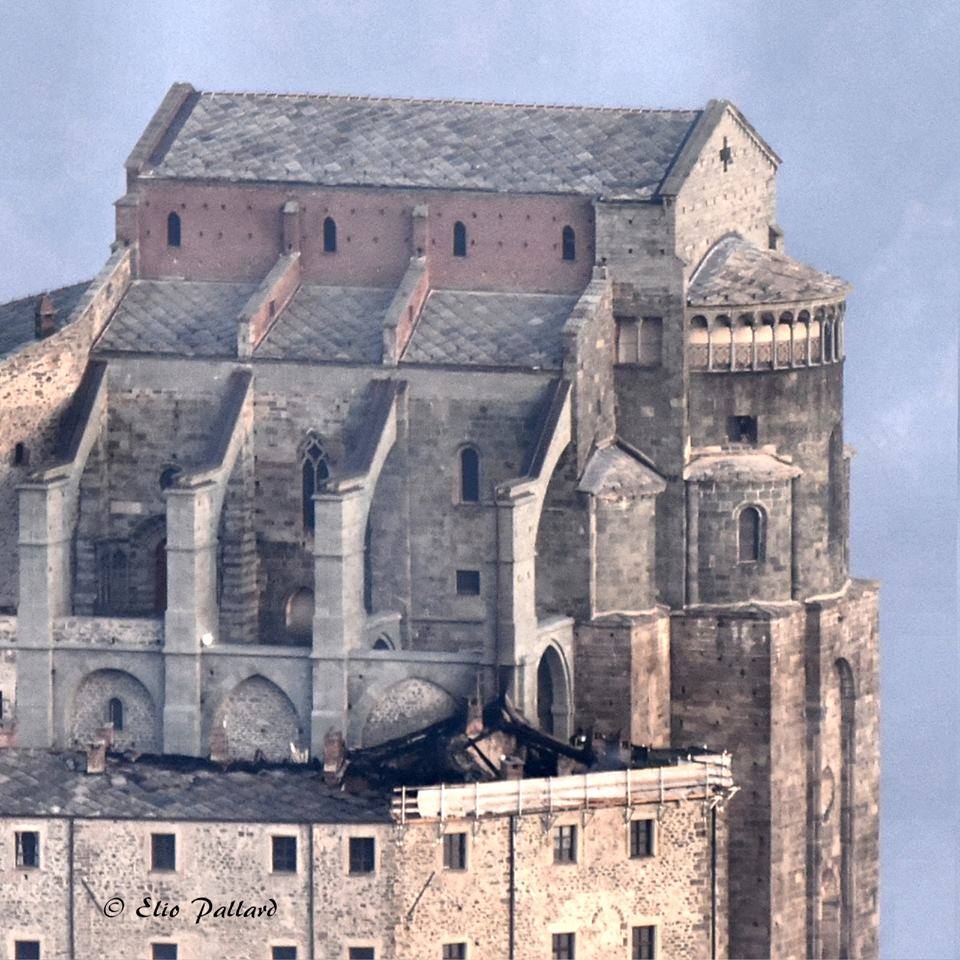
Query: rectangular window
point(163, 851)
point(454, 951)
point(26, 950)
point(468, 583)
point(742, 429)
point(362, 953)
point(644, 943)
point(564, 946)
point(28, 848)
point(641, 838)
point(628, 340)
point(164, 951)
point(362, 854)
point(284, 953)
point(565, 845)
point(455, 851)
point(284, 854)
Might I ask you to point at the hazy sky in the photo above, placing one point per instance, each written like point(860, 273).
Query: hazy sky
point(861, 101)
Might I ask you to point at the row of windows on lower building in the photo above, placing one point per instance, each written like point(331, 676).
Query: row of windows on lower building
point(643, 946)
point(362, 850)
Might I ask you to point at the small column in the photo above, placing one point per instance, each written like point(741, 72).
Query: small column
point(191, 618)
point(44, 567)
point(693, 543)
point(339, 616)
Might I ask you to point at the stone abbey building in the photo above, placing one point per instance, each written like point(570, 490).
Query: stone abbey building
point(383, 407)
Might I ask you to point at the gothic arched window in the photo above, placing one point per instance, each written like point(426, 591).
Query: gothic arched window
point(751, 535)
point(469, 475)
point(173, 230)
point(459, 240)
point(115, 713)
point(569, 244)
point(315, 474)
point(329, 235)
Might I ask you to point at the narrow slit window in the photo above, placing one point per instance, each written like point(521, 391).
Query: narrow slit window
point(459, 239)
point(329, 235)
point(21, 456)
point(115, 713)
point(454, 851)
point(173, 230)
point(569, 243)
point(750, 529)
point(163, 851)
point(469, 475)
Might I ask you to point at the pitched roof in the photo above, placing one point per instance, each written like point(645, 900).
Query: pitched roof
point(42, 783)
point(465, 327)
point(17, 318)
point(736, 272)
point(183, 317)
point(614, 473)
point(329, 323)
point(443, 144)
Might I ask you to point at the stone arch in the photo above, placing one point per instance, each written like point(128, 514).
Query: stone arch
point(553, 693)
point(258, 718)
point(91, 710)
point(298, 615)
point(406, 706)
point(700, 354)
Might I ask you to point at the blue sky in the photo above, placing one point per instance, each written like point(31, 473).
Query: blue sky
point(861, 100)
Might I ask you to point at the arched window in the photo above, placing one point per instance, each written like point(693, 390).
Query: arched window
point(459, 240)
point(173, 230)
point(113, 581)
point(383, 642)
point(315, 474)
point(329, 235)
point(115, 713)
point(569, 244)
point(750, 529)
point(469, 475)
point(298, 613)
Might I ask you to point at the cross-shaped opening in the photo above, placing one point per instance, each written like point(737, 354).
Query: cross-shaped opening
point(726, 155)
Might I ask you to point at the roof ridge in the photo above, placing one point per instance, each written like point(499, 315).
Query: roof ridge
point(446, 101)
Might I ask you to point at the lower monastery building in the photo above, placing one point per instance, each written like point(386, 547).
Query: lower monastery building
point(385, 412)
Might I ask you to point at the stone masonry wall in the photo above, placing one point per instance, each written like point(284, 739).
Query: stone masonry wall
point(599, 898)
point(737, 683)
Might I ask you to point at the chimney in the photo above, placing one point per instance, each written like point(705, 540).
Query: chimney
point(97, 757)
point(511, 768)
point(44, 317)
point(334, 757)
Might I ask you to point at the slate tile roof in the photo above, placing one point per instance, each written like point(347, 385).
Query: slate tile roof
point(369, 141)
point(737, 272)
point(39, 783)
point(329, 323)
point(17, 318)
point(181, 317)
point(466, 327)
